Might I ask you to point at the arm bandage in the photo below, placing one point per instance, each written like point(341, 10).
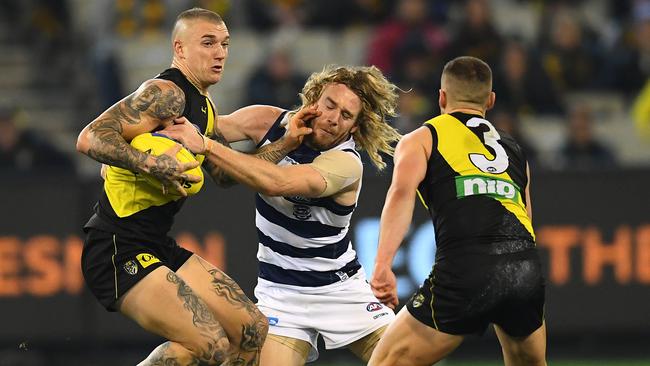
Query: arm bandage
point(339, 169)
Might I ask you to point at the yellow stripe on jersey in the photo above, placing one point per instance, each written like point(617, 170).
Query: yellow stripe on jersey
point(209, 127)
point(455, 142)
point(114, 267)
point(424, 203)
point(211, 113)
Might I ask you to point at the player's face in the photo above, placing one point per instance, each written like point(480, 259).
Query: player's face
point(340, 108)
point(207, 50)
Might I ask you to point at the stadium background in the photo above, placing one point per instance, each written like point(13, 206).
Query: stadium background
point(571, 82)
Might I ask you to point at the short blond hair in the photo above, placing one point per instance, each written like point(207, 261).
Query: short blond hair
point(378, 102)
point(467, 79)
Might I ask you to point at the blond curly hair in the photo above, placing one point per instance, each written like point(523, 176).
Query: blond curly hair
point(378, 102)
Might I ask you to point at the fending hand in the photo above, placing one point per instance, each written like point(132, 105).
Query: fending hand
point(297, 127)
point(187, 134)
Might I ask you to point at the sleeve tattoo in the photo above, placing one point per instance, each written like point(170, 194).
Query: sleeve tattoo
point(273, 153)
point(107, 144)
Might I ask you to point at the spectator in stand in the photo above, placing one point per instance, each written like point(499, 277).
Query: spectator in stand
point(411, 20)
point(153, 16)
point(641, 111)
point(265, 15)
point(50, 39)
point(336, 15)
point(570, 59)
point(416, 66)
point(628, 65)
point(637, 70)
point(476, 34)
point(23, 150)
point(276, 82)
point(582, 151)
point(414, 107)
point(415, 73)
point(522, 85)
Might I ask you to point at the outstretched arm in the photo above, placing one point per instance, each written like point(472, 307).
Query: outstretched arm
point(410, 168)
point(155, 103)
point(257, 170)
point(273, 153)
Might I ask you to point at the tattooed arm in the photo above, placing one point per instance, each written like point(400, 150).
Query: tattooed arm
point(155, 103)
point(249, 122)
point(259, 173)
point(273, 153)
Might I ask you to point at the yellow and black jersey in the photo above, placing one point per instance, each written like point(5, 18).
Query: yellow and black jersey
point(128, 204)
point(474, 187)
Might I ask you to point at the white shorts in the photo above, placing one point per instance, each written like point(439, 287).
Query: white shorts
point(342, 312)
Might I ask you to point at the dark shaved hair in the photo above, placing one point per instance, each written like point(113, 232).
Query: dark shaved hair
point(467, 80)
point(195, 14)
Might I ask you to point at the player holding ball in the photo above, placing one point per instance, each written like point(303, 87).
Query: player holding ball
point(129, 262)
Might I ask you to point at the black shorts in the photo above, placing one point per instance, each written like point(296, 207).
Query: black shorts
point(113, 263)
point(464, 295)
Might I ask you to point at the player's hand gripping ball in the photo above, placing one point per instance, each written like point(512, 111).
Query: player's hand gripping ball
point(156, 144)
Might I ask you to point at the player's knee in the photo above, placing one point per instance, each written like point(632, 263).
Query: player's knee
point(263, 325)
point(254, 332)
point(526, 357)
point(211, 351)
point(532, 359)
point(392, 356)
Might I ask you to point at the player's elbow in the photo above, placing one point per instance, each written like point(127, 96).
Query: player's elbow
point(83, 143)
point(400, 192)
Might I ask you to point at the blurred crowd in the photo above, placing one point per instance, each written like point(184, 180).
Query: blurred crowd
point(574, 47)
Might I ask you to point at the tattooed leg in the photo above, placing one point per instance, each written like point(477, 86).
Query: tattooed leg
point(244, 324)
point(214, 344)
point(168, 354)
point(273, 152)
point(246, 350)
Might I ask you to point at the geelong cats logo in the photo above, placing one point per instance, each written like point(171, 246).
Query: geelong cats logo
point(301, 212)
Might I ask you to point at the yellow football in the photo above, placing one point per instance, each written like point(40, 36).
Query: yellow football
point(156, 144)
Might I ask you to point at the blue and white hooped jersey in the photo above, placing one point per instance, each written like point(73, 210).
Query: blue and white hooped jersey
point(304, 242)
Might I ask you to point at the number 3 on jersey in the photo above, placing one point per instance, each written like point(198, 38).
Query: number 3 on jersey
point(491, 138)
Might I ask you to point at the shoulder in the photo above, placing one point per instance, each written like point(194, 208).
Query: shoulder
point(417, 141)
point(157, 89)
point(420, 136)
point(162, 84)
point(436, 121)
